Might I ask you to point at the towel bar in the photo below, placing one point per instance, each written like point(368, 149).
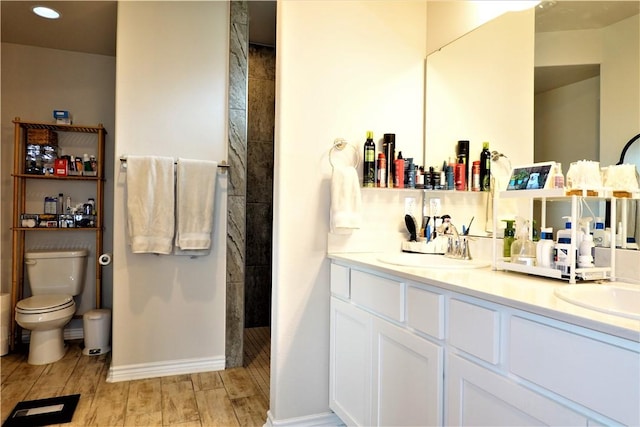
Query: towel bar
point(223, 164)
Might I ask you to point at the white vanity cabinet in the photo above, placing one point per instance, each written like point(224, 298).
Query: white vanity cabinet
point(407, 378)
point(405, 352)
point(477, 396)
point(350, 365)
point(381, 372)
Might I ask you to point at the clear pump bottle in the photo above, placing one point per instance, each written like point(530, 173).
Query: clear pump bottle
point(523, 250)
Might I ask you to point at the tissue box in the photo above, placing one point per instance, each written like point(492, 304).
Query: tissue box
point(62, 117)
point(60, 167)
point(29, 220)
point(48, 221)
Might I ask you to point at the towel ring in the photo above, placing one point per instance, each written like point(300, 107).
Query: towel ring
point(339, 144)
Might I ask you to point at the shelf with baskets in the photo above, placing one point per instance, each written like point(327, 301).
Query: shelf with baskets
point(574, 273)
point(38, 160)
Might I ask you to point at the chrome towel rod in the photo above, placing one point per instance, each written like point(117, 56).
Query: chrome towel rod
point(223, 164)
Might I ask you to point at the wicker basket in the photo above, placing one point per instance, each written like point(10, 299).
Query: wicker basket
point(42, 137)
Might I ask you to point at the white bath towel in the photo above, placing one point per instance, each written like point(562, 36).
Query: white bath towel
point(346, 200)
point(150, 203)
point(195, 193)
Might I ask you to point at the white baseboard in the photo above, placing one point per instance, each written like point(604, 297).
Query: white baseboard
point(317, 420)
point(164, 369)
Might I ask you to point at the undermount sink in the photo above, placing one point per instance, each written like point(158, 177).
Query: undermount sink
point(408, 259)
point(612, 299)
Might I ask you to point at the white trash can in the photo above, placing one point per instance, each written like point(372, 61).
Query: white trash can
point(97, 331)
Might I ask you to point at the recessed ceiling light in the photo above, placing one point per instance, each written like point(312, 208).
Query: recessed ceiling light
point(46, 12)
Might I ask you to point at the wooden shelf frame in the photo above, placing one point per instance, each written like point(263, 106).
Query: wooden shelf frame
point(20, 179)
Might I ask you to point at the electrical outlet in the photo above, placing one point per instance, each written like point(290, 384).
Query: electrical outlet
point(409, 205)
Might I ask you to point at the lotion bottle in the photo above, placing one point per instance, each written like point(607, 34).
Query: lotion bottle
point(544, 249)
point(562, 249)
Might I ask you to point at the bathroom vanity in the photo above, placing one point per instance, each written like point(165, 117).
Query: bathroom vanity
point(444, 346)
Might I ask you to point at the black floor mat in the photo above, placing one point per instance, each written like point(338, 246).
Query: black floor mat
point(43, 412)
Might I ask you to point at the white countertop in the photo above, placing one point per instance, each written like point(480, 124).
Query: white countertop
point(520, 291)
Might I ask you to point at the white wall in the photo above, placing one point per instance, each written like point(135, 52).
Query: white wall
point(35, 81)
point(171, 100)
point(342, 68)
point(619, 70)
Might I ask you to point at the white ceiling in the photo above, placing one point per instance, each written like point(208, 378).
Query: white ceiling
point(582, 15)
point(85, 26)
point(90, 26)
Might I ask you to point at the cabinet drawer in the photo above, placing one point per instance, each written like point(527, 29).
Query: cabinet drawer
point(384, 296)
point(595, 374)
point(340, 280)
point(425, 311)
point(475, 329)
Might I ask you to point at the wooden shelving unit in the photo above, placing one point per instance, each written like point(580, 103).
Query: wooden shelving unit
point(20, 184)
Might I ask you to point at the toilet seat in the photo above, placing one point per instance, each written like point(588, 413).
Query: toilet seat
point(42, 304)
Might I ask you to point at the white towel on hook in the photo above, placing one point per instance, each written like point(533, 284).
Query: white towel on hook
point(195, 193)
point(150, 203)
point(346, 200)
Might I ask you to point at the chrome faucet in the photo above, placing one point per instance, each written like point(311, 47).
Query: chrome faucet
point(457, 244)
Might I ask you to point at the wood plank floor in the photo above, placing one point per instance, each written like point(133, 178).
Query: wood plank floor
point(233, 397)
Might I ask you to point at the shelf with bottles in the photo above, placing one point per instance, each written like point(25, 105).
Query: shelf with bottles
point(39, 167)
point(566, 264)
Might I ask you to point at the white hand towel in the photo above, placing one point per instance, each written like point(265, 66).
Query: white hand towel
point(150, 203)
point(346, 200)
point(196, 193)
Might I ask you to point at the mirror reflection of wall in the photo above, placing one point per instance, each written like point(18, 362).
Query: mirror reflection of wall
point(482, 94)
point(587, 90)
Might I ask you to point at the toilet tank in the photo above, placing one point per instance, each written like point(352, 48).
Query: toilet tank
point(56, 271)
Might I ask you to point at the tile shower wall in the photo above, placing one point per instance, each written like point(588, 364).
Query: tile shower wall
point(259, 213)
point(236, 201)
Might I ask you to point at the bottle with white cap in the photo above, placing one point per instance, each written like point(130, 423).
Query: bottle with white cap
point(544, 248)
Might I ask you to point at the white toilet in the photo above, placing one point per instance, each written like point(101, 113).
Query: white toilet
point(55, 277)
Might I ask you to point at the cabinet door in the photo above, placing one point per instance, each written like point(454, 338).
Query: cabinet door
point(477, 396)
point(350, 364)
point(407, 378)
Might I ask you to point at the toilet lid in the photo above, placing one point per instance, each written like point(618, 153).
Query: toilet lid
point(47, 303)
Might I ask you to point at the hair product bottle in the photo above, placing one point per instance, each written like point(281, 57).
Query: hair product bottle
point(369, 163)
point(389, 150)
point(463, 157)
point(399, 171)
point(485, 167)
point(381, 179)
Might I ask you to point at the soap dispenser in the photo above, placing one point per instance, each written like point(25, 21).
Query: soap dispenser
point(523, 250)
point(509, 237)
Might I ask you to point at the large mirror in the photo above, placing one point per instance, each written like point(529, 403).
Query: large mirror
point(587, 89)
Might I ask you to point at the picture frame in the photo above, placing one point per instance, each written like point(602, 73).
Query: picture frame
point(535, 176)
